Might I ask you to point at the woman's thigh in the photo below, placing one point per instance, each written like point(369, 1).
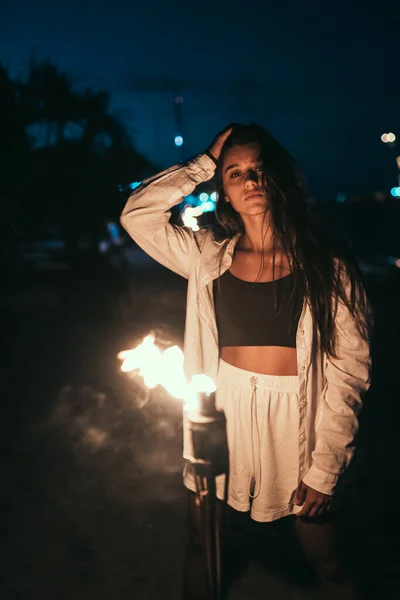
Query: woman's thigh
point(320, 542)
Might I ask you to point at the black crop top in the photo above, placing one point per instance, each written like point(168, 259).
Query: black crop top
point(246, 315)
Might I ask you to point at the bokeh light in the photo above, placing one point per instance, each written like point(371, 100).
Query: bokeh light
point(208, 206)
point(189, 217)
point(178, 140)
point(388, 138)
point(134, 184)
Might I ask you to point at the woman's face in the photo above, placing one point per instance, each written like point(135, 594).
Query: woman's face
point(242, 180)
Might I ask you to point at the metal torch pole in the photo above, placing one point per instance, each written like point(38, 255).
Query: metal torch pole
point(207, 426)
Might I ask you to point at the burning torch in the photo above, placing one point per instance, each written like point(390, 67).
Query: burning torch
point(207, 431)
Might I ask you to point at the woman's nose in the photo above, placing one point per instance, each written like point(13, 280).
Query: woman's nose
point(252, 177)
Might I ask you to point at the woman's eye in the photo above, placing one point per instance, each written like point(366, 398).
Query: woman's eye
point(235, 174)
point(259, 168)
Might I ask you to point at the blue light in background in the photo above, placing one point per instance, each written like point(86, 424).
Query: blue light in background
point(129, 186)
point(191, 199)
point(341, 197)
point(395, 192)
point(113, 230)
point(178, 140)
point(203, 200)
point(134, 185)
point(208, 206)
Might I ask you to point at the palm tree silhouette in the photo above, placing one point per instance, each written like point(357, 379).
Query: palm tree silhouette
point(71, 183)
point(49, 98)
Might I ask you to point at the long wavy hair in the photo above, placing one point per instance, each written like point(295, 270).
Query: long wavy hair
point(322, 268)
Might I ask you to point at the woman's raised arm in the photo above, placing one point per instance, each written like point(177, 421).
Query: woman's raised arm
point(147, 212)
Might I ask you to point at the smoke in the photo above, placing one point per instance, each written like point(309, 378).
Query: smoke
point(129, 443)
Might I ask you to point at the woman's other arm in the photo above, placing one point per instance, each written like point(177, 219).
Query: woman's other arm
point(347, 380)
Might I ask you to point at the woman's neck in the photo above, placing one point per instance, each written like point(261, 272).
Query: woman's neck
point(258, 235)
point(257, 244)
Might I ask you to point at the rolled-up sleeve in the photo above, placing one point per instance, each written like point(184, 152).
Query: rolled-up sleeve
point(347, 378)
point(147, 213)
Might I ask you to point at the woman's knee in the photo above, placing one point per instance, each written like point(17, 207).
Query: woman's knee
point(319, 540)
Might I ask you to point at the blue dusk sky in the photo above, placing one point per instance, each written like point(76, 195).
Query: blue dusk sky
point(322, 77)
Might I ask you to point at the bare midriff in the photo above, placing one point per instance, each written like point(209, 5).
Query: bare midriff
point(268, 360)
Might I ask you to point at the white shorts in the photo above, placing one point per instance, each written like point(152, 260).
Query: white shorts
point(262, 421)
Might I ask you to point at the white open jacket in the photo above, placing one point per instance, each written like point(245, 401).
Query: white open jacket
point(330, 389)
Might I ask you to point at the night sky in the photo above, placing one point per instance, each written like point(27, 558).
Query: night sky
point(323, 77)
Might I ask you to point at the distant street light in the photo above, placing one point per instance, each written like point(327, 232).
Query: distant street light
point(388, 138)
point(395, 192)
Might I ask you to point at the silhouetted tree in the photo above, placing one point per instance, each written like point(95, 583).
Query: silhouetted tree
point(48, 98)
point(71, 184)
point(14, 170)
point(101, 127)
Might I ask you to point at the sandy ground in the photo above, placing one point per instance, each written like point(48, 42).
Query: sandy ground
point(92, 501)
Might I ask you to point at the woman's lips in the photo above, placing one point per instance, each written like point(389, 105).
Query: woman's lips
point(254, 195)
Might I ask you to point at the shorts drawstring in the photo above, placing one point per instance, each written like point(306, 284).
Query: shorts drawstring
point(253, 409)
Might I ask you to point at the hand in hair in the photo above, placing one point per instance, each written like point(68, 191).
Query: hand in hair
point(219, 141)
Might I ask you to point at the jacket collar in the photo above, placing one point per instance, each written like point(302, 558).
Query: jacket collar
point(216, 256)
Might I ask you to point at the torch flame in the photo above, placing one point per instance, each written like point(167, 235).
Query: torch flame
point(203, 383)
point(166, 369)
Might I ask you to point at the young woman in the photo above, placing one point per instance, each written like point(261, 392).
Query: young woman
point(278, 318)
